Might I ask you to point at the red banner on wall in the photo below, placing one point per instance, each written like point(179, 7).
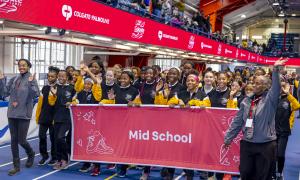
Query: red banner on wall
point(95, 18)
point(155, 136)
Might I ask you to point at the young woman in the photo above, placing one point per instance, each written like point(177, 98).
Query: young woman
point(126, 94)
point(44, 117)
point(209, 80)
point(60, 97)
point(22, 90)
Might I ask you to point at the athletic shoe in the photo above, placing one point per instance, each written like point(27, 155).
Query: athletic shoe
point(111, 166)
point(95, 171)
point(122, 174)
point(57, 165)
point(30, 160)
point(52, 162)
point(42, 162)
point(86, 167)
point(64, 164)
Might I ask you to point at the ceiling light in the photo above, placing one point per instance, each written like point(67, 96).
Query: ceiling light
point(243, 16)
point(144, 50)
point(275, 3)
point(235, 60)
point(185, 56)
point(172, 54)
point(101, 38)
point(210, 56)
point(179, 52)
point(119, 46)
point(218, 57)
point(168, 50)
point(132, 44)
point(281, 14)
point(193, 54)
point(153, 48)
point(42, 29)
point(160, 52)
point(294, 15)
point(54, 30)
point(203, 55)
point(1, 21)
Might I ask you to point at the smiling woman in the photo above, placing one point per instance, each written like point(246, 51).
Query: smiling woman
point(21, 89)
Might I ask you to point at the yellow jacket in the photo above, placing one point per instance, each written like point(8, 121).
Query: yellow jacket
point(295, 105)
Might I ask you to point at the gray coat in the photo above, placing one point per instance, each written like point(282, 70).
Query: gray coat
point(264, 117)
point(20, 90)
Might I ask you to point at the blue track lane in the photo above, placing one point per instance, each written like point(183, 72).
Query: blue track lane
point(291, 170)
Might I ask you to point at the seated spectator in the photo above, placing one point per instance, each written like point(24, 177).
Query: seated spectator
point(166, 11)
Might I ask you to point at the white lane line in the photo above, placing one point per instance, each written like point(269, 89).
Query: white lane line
point(52, 172)
point(180, 176)
point(6, 164)
point(27, 140)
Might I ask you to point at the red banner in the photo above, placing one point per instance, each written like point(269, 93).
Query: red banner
point(95, 18)
point(155, 136)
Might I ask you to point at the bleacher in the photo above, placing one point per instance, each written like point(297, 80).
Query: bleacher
point(275, 45)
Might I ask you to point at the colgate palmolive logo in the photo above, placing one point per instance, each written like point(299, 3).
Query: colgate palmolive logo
point(7, 6)
point(67, 12)
point(203, 45)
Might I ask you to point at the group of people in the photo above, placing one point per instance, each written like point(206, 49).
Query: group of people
point(166, 11)
point(266, 109)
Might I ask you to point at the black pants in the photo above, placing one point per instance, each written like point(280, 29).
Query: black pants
point(60, 134)
point(256, 160)
point(281, 147)
point(43, 140)
point(18, 130)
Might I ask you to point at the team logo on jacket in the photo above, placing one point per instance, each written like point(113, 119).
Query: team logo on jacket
point(223, 101)
point(68, 94)
point(128, 97)
point(139, 29)
point(8, 6)
point(285, 105)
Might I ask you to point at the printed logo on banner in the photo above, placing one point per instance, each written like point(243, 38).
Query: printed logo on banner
point(191, 42)
point(8, 6)
point(161, 35)
point(96, 144)
point(219, 49)
point(139, 29)
point(243, 55)
point(67, 12)
point(203, 45)
point(227, 51)
point(237, 53)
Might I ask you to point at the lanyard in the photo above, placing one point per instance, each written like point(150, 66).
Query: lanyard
point(253, 103)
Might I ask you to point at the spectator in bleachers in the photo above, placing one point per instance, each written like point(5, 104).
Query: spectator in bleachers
point(166, 11)
point(181, 7)
point(156, 9)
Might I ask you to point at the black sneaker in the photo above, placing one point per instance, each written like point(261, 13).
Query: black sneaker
point(122, 174)
point(30, 160)
point(52, 162)
point(13, 171)
point(86, 167)
point(43, 161)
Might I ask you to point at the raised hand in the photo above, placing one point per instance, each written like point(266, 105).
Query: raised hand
point(31, 77)
point(1, 75)
point(232, 93)
point(159, 86)
point(286, 89)
point(280, 62)
point(166, 90)
point(53, 90)
point(111, 94)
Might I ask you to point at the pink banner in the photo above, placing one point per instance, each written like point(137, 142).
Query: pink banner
point(155, 136)
point(95, 18)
